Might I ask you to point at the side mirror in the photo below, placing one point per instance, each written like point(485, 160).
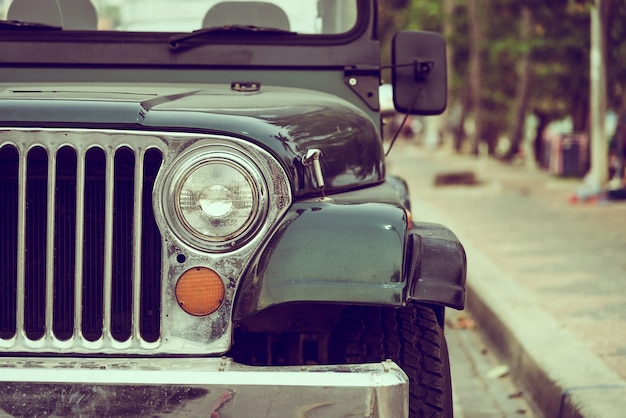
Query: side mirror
point(419, 78)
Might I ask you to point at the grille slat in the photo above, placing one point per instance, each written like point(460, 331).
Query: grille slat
point(8, 239)
point(65, 244)
point(123, 244)
point(80, 253)
point(93, 245)
point(136, 239)
point(51, 211)
point(109, 184)
point(35, 251)
point(150, 290)
point(78, 247)
point(21, 245)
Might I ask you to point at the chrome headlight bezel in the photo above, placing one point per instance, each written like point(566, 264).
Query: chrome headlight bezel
point(230, 156)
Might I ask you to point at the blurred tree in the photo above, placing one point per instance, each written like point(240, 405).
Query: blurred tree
point(615, 19)
point(532, 57)
point(509, 59)
point(392, 17)
point(475, 73)
point(524, 74)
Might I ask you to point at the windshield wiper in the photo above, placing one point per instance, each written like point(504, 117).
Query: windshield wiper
point(176, 41)
point(19, 25)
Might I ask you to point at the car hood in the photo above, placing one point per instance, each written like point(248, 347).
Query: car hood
point(286, 121)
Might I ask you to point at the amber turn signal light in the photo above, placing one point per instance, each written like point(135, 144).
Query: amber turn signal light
point(200, 291)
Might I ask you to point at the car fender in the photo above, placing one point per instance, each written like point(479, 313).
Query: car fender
point(438, 266)
point(348, 248)
point(356, 250)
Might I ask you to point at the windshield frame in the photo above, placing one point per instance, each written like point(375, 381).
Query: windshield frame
point(137, 56)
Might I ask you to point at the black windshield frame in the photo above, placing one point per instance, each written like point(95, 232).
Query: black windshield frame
point(224, 49)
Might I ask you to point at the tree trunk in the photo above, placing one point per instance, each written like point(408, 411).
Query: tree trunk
point(523, 86)
point(475, 70)
point(448, 31)
point(598, 94)
point(539, 146)
point(459, 125)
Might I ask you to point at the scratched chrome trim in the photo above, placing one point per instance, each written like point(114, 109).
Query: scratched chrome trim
point(200, 387)
point(179, 332)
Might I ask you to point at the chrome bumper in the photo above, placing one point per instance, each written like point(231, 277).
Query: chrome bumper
point(206, 387)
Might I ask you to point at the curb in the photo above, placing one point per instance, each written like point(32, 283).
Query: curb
point(564, 379)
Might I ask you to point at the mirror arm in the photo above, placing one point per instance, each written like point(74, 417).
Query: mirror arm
point(421, 72)
point(421, 69)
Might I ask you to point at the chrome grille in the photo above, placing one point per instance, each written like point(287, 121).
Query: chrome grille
point(80, 251)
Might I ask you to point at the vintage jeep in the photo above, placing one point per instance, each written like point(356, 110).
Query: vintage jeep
point(195, 217)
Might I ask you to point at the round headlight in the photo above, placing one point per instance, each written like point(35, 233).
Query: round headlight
point(218, 198)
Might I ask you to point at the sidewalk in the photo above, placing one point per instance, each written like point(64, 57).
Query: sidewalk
point(546, 279)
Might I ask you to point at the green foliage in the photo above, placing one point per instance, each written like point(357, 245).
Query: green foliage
point(426, 15)
point(558, 45)
point(616, 59)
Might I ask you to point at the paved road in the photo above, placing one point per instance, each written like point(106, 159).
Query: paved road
point(482, 384)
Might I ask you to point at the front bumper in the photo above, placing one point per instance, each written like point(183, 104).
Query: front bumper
point(210, 387)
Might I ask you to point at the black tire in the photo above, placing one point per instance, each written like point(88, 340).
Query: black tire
point(410, 336)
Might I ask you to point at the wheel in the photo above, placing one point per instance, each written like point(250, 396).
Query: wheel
point(413, 338)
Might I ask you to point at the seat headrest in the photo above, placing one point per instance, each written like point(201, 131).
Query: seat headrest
point(69, 14)
point(255, 13)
